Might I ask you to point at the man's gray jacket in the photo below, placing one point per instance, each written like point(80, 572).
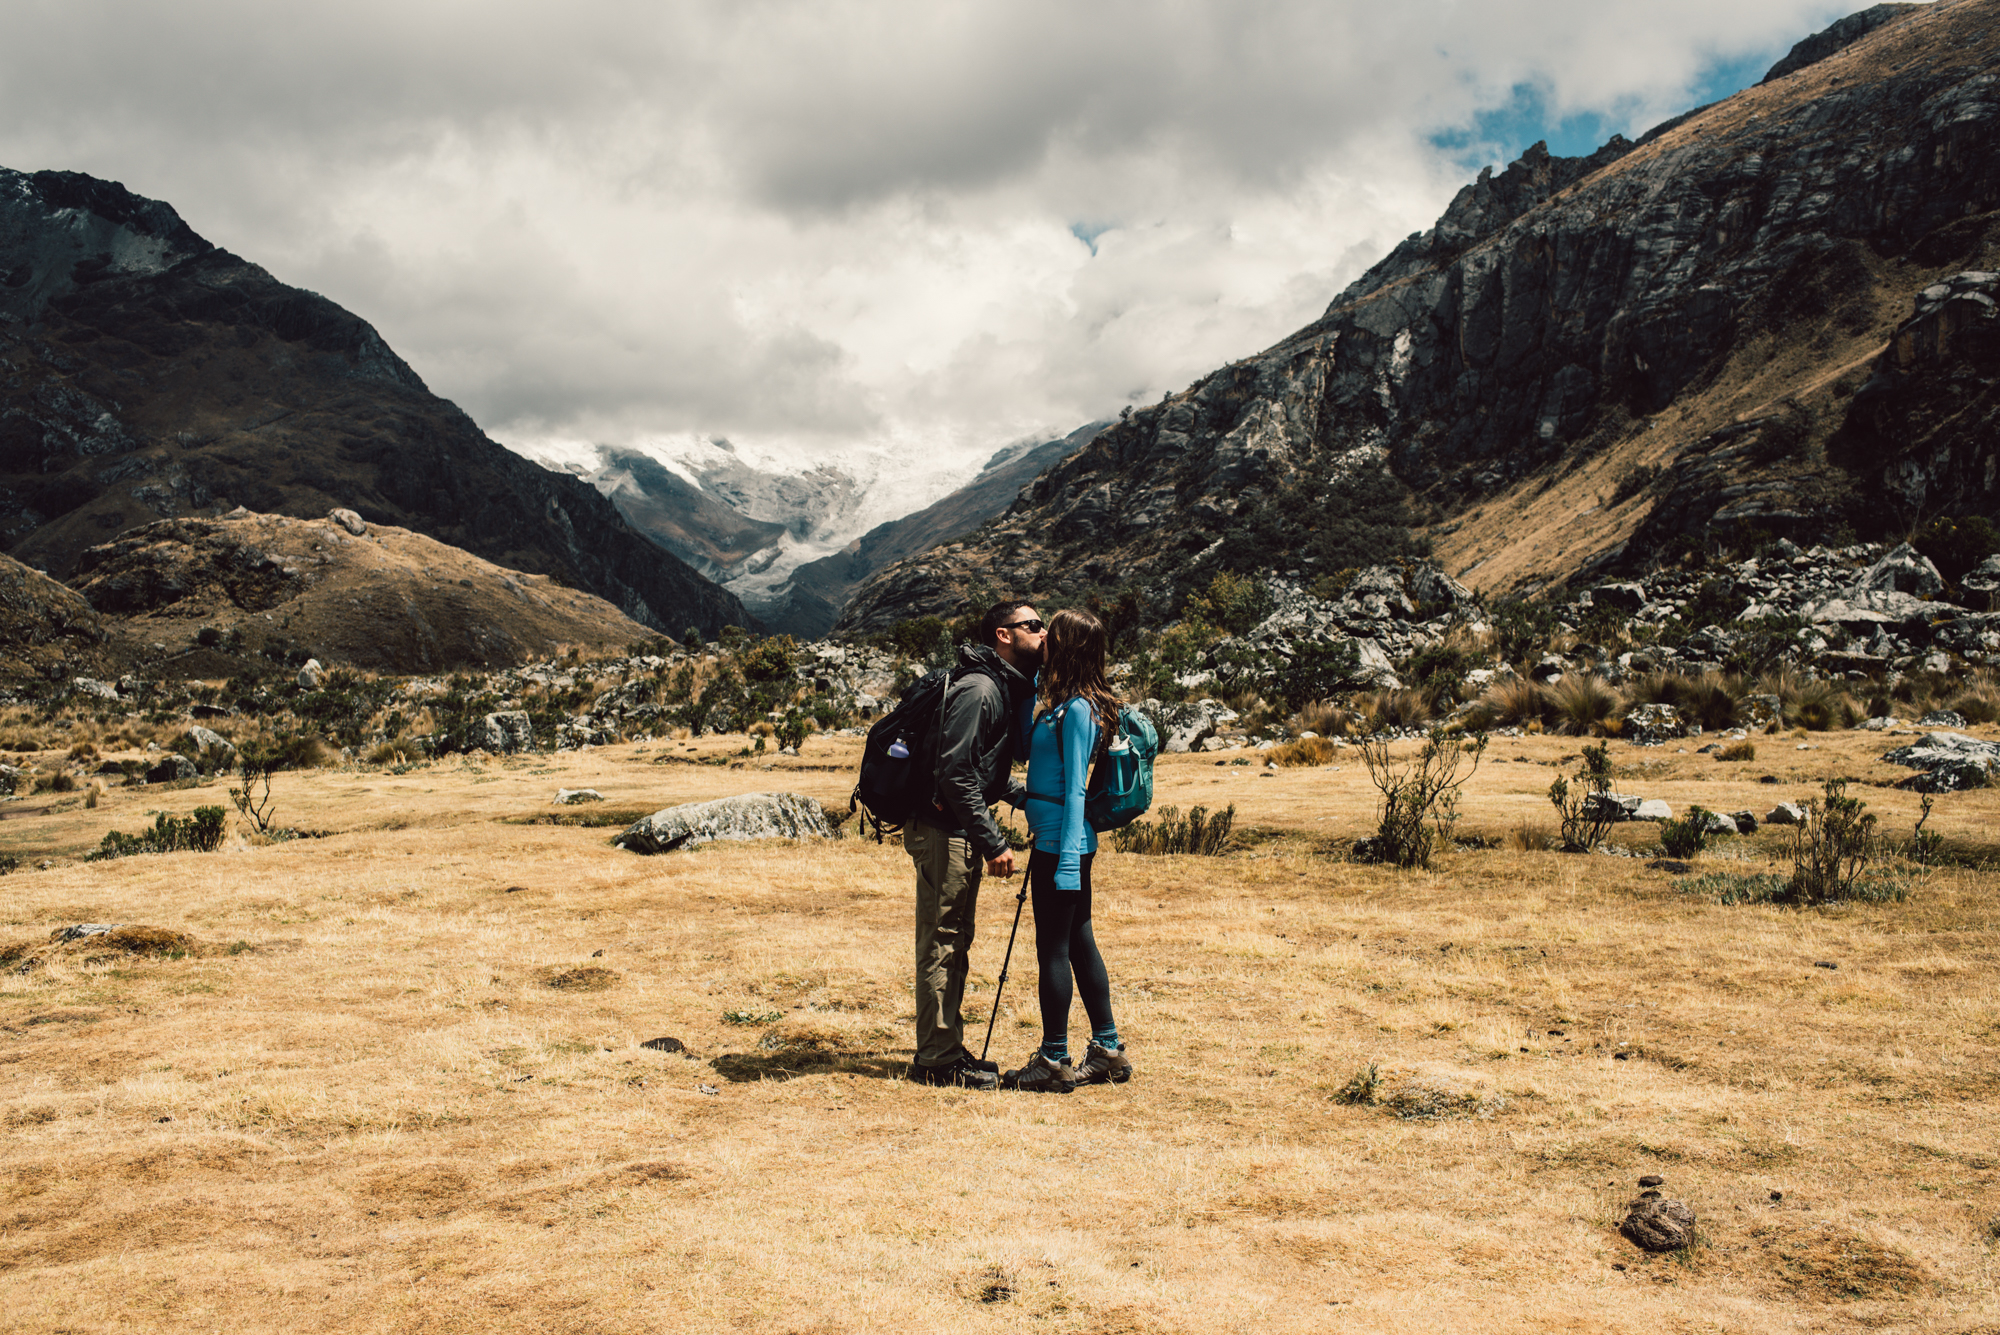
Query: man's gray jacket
point(976, 748)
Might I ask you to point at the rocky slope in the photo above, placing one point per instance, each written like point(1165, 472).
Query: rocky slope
point(48, 630)
point(197, 595)
point(145, 373)
point(1592, 364)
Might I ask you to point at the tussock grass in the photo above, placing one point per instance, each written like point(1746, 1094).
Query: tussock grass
point(379, 1116)
point(1305, 751)
point(1581, 705)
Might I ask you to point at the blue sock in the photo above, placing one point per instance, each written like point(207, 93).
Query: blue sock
point(1056, 1049)
point(1106, 1038)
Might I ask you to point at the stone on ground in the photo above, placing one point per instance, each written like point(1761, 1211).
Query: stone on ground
point(751, 816)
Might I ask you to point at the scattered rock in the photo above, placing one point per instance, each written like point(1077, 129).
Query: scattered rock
point(1882, 724)
point(1652, 1180)
point(1902, 570)
point(1657, 1224)
point(1612, 806)
point(1619, 597)
point(1950, 762)
point(311, 674)
point(102, 690)
point(569, 797)
point(350, 521)
point(1653, 809)
point(751, 816)
point(664, 1045)
point(1650, 725)
point(1785, 813)
point(1746, 821)
point(1942, 718)
point(1714, 822)
point(172, 766)
point(212, 750)
point(505, 733)
point(1825, 964)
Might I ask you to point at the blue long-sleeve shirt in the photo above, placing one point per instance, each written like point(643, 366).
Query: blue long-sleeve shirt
point(1059, 749)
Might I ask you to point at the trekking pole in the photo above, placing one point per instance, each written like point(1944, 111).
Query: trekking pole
point(994, 1014)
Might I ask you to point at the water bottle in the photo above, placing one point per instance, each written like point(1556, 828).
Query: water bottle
point(897, 751)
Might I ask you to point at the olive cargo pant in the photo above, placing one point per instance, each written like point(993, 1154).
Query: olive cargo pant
point(948, 872)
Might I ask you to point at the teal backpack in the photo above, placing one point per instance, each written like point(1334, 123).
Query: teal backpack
point(1121, 781)
point(1121, 784)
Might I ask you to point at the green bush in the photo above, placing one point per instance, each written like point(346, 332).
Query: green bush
point(922, 638)
point(1419, 797)
point(1197, 834)
point(1584, 821)
point(1686, 837)
point(200, 832)
point(1235, 603)
point(1832, 847)
point(769, 660)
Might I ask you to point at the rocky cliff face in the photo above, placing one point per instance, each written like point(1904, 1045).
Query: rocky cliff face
point(1588, 363)
point(144, 374)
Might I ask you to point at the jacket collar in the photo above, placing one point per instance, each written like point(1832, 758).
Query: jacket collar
point(985, 658)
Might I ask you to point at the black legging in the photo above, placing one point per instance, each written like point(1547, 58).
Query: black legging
point(1064, 942)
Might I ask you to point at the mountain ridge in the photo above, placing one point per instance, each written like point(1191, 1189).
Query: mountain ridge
point(1531, 367)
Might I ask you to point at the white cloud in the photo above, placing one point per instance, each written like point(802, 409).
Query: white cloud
point(823, 229)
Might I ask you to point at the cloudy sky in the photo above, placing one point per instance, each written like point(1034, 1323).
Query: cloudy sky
point(907, 231)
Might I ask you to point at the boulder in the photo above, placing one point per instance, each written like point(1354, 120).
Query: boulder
point(1612, 806)
point(504, 733)
point(311, 674)
point(1650, 725)
point(1182, 726)
point(350, 521)
point(1942, 718)
point(1657, 1224)
point(1785, 813)
point(1550, 669)
point(172, 766)
point(751, 816)
point(1435, 590)
point(1950, 762)
point(1745, 821)
point(1984, 577)
point(1654, 809)
point(1714, 822)
point(569, 797)
point(10, 778)
point(1763, 710)
point(1619, 597)
point(1882, 724)
point(1902, 570)
point(212, 750)
point(102, 690)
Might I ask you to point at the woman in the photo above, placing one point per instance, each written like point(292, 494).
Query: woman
point(1071, 730)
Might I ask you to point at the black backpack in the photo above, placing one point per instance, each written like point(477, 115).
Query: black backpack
point(899, 761)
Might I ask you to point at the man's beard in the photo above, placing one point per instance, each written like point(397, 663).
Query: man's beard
point(1031, 659)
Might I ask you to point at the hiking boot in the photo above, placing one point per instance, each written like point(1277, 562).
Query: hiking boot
point(1104, 1066)
point(1041, 1076)
point(958, 1071)
point(977, 1063)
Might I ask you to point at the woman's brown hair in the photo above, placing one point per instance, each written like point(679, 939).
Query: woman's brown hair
point(1073, 665)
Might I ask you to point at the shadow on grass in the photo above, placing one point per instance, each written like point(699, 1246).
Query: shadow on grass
point(790, 1064)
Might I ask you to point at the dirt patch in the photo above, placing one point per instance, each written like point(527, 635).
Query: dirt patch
point(138, 940)
point(658, 1171)
point(586, 978)
point(1829, 1263)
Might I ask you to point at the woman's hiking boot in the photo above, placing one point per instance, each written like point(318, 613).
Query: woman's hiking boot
point(1103, 1066)
point(960, 1070)
point(1041, 1076)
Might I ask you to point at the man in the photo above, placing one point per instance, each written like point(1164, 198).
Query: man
point(951, 841)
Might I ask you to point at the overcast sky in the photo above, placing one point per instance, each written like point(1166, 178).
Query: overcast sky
point(832, 230)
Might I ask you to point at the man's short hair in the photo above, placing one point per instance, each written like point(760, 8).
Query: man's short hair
point(997, 617)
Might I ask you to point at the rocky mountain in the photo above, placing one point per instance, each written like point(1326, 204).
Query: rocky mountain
point(820, 589)
point(147, 374)
point(196, 596)
point(1768, 317)
point(49, 630)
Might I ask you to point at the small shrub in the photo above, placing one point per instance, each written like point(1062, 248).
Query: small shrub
point(1513, 703)
point(1530, 837)
point(200, 832)
point(792, 730)
point(1686, 837)
point(1419, 797)
point(253, 800)
point(1926, 846)
point(1198, 834)
point(1318, 716)
point(1580, 705)
point(1819, 706)
point(1585, 821)
point(1831, 847)
point(1305, 751)
point(1743, 750)
point(63, 782)
point(1405, 708)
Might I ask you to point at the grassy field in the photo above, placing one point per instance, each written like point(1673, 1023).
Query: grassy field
point(395, 1079)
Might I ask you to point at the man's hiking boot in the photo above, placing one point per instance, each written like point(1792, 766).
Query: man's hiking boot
point(1104, 1066)
point(979, 1063)
point(958, 1071)
point(1041, 1076)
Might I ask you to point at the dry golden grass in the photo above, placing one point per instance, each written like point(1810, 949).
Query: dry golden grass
point(399, 1081)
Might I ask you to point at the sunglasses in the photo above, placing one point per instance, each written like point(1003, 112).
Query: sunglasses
point(1033, 625)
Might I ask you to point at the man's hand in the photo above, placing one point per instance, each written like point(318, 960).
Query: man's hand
point(1001, 866)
